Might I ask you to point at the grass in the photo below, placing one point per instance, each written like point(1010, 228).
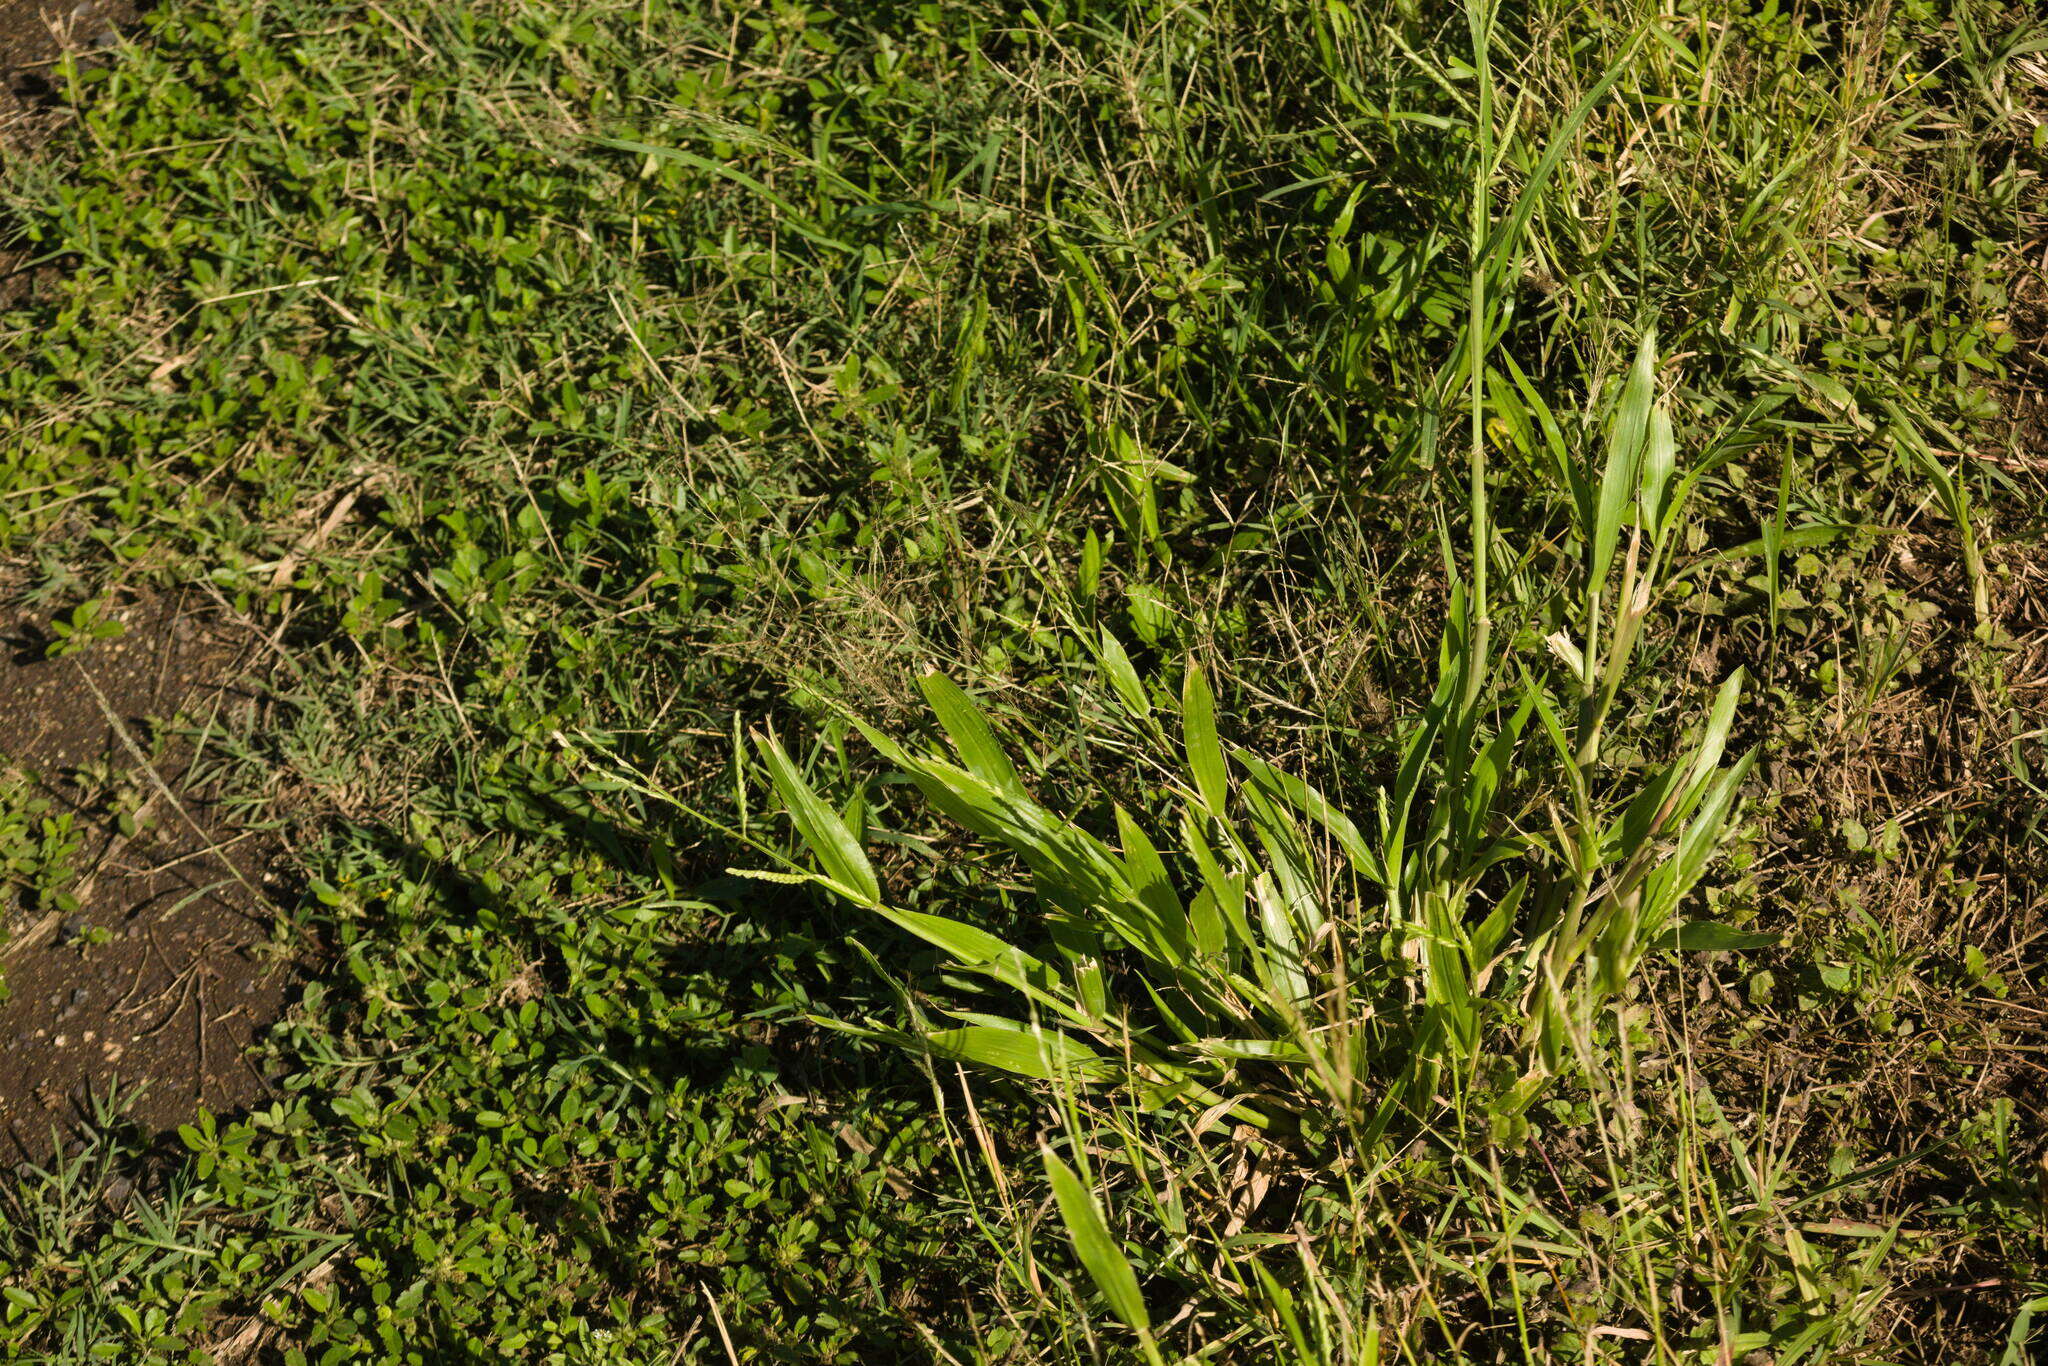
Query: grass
point(1412, 634)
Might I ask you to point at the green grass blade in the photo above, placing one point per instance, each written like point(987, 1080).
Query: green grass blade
point(1303, 797)
point(1204, 754)
point(1123, 677)
point(1098, 1249)
point(1005, 1045)
point(1618, 479)
point(967, 727)
point(797, 219)
point(1660, 461)
point(823, 832)
point(1714, 742)
point(1153, 889)
point(1500, 246)
point(1026, 1050)
point(1695, 846)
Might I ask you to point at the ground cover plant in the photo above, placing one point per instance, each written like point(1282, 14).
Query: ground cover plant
point(1319, 682)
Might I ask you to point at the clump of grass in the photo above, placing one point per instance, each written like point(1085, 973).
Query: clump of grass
point(1340, 983)
point(1239, 960)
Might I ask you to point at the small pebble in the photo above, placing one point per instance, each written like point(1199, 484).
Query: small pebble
point(60, 1041)
point(79, 996)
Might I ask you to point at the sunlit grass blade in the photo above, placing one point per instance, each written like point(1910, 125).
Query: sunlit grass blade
point(1100, 1254)
point(1204, 754)
point(1122, 675)
point(1620, 475)
point(968, 728)
point(824, 833)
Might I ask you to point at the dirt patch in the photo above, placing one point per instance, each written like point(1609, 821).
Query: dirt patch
point(34, 34)
point(166, 971)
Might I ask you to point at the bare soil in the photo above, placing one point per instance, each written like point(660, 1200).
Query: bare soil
point(166, 973)
point(34, 34)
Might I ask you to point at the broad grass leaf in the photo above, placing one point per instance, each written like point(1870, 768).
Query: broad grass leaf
point(1277, 959)
point(1618, 479)
point(1041, 1054)
point(1705, 936)
point(1492, 930)
point(1153, 890)
point(1205, 755)
point(1096, 1246)
point(1063, 856)
point(1568, 473)
point(1561, 141)
point(1253, 1050)
point(969, 946)
point(1660, 461)
point(1123, 676)
point(823, 832)
point(1715, 740)
point(1311, 803)
point(1697, 844)
point(1005, 1045)
point(967, 727)
point(1217, 915)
